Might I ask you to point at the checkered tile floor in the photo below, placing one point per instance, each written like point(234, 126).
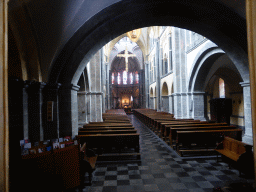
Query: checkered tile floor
point(161, 169)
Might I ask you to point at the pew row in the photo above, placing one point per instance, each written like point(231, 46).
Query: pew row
point(115, 144)
point(203, 140)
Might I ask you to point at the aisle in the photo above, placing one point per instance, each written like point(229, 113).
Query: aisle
point(161, 169)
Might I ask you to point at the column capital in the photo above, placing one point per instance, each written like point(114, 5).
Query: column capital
point(176, 94)
point(17, 83)
point(52, 86)
point(95, 93)
point(245, 84)
point(198, 93)
point(34, 86)
point(82, 93)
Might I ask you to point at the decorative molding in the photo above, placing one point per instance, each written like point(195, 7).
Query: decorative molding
point(169, 73)
point(52, 86)
point(245, 84)
point(176, 94)
point(232, 93)
point(71, 87)
point(94, 93)
point(237, 116)
point(81, 93)
point(198, 93)
point(197, 45)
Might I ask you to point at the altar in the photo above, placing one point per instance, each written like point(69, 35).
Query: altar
point(127, 109)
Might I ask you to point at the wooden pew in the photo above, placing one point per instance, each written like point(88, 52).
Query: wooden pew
point(105, 128)
point(239, 152)
point(162, 125)
point(111, 121)
point(114, 136)
point(174, 130)
point(203, 140)
point(108, 125)
point(170, 131)
point(106, 142)
point(107, 132)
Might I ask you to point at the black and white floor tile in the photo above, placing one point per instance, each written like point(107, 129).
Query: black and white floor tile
point(161, 169)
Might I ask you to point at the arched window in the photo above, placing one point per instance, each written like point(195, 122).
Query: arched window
point(125, 77)
point(221, 88)
point(113, 78)
point(136, 77)
point(118, 78)
point(131, 78)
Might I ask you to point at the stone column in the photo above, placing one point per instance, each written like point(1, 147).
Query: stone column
point(146, 86)
point(111, 99)
point(96, 93)
point(177, 105)
point(171, 103)
point(68, 109)
point(141, 88)
point(183, 72)
point(82, 108)
point(35, 109)
point(190, 105)
point(25, 110)
point(247, 138)
point(170, 67)
point(165, 103)
point(103, 81)
point(199, 107)
point(88, 106)
point(184, 105)
point(175, 35)
point(108, 82)
point(96, 107)
point(158, 77)
point(51, 128)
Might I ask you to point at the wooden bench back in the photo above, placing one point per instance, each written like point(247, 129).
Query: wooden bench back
point(234, 145)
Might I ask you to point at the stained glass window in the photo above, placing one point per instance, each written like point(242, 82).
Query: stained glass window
point(222, 88)
point(125, 77)
point(118, 78)
point(131, 78)
point(113, 78)
point(136, 77)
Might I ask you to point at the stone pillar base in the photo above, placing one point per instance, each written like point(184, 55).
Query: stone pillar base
point(248, 139)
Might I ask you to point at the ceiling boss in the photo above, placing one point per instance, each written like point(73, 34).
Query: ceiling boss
point(134, 35)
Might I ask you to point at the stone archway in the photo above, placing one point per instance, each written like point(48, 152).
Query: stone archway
point(151, 99)
point(112, 20)
point(165, 97)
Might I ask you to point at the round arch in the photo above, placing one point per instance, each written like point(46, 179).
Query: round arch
point(165, 89)
point(151, 94)
point(204, 62)
point(228, 31)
